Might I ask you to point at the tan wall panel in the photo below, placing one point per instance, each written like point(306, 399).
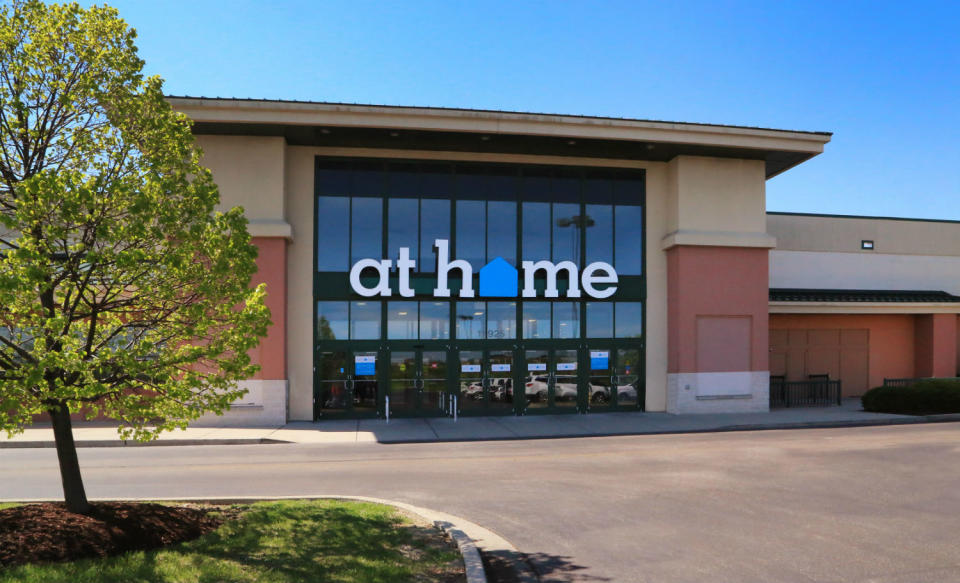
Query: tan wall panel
point(831, 270)
point(843, 235)
point(249, 172)
point(717, 195)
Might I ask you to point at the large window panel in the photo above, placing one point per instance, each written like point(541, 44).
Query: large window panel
point(471, 232)
point(471, 320)
point(629, 319)
point(403, 221)
point(536, 231)
point(333, 321)
point(629, 240)
point(402, 319)
point(434, 224)
point(536, 319)
point(367, 226)
point(333, 233)
point(365, 320)
point(566, 320)
point(502, 230)
point(599, 227)
point(501, 320)
point(566, 232)
point(434, 320)
point(599, 320)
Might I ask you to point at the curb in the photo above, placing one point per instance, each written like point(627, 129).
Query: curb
point(466, 534)
point(130, 443)
point(904, 420)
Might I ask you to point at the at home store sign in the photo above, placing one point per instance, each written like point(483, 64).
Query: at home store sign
point(497, 278)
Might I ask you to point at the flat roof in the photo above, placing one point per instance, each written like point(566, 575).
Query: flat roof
point(475, 130)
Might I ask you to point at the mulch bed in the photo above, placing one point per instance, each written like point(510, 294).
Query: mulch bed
point(43, 533)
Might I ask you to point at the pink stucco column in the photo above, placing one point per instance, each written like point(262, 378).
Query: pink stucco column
point(935, 345)
point(271, 355)
point(717, 309)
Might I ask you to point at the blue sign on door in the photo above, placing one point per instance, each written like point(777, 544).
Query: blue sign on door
point(599, 359)
point(365, 365)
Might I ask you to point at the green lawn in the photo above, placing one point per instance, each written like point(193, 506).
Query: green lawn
point(286, 541)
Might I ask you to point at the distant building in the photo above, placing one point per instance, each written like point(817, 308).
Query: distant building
point(665, 285)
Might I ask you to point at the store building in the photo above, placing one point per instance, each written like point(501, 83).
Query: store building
point(421, 260)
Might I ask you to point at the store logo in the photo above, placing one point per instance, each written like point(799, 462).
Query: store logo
point(497, 278)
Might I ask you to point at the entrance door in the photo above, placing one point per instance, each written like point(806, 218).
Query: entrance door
point(346, 383)
point(615, 377)
point(552, 381)
point(487, 382)
point(418, 382)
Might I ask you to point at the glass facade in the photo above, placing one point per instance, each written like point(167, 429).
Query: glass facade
point(370, 209)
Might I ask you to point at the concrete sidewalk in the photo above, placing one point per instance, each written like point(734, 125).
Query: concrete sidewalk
point(482, 428)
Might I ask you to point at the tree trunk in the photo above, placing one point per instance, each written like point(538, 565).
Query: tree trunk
point(73, 492)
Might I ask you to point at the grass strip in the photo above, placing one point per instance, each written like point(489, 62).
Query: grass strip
point(278, 542)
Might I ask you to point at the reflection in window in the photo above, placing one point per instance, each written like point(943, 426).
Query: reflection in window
point(471, 320)
point(333, 321)
point(599, 227)
point(367, 223)
point(566, 320)
point(536, 231)
point(333, 233)
point(566, 232)
point(536, 319)
point(434, 320)
point(402, 320)
point(501, 320)
point(629, 229)
point(402, 226)
point(471, 232)
point(629, 319)
point(599, 320)
point(434, 224)
point(502, 230)
point(365, 320)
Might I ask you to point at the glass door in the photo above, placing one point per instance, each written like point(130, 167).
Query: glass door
point(551, 384)
point(404, 374)
point(418, 382)
point(600, 376)
point(566, 389)
point(631, 393)
point(346, 383)
point(433, 382)
point(487, 379)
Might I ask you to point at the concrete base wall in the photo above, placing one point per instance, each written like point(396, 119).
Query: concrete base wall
point(265, 404)
point(718, 392)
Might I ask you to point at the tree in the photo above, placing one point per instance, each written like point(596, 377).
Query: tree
point(123, 293)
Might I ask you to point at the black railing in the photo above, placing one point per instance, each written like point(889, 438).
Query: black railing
point(818, 392)
point(908, 382)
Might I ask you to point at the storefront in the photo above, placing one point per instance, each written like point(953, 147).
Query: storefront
point(415, 340)
point(441, 262)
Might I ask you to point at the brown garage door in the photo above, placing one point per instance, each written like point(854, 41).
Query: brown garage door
point(843, 354)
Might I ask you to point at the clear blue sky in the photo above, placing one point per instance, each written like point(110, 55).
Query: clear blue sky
point(883, 76)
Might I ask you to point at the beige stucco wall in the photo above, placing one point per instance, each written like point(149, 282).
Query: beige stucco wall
point(716, 201)
point(249, 172)
point(843, 235)
point(832, 270)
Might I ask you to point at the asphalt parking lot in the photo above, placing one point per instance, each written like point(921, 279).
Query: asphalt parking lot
point(876, 504)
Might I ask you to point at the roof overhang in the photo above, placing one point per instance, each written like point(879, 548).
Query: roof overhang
point(465, 130)
point(863, 308)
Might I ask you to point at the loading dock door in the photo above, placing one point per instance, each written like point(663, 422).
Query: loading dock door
point(843, 354)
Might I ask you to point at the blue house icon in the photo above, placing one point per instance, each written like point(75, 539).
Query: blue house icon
point(498, 279)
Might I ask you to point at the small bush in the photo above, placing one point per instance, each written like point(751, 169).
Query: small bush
point(927, 397)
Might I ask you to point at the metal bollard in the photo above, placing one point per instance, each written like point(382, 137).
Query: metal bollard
point(387, 398)
point(455, 408)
